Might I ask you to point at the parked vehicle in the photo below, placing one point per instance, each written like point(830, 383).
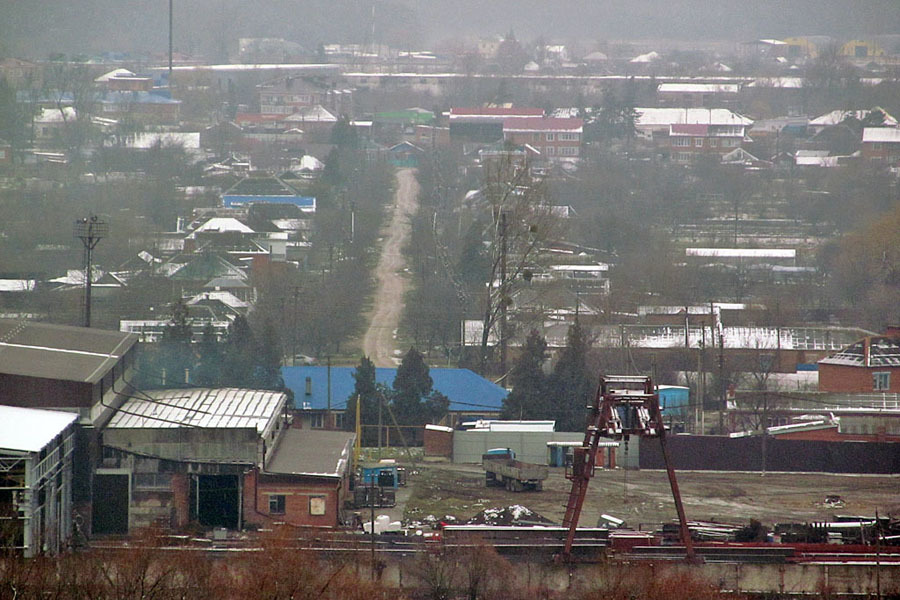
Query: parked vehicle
point(502, 468)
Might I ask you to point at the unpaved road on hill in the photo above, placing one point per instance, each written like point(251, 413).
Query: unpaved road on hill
point(380, 341)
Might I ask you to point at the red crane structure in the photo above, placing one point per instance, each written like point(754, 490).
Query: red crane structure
point(624, 405)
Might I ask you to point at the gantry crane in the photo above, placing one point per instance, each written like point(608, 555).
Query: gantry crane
point(623, 406)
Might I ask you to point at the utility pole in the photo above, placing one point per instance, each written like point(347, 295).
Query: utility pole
point(765, 430)
point(721, 382)
point(170, 46)
point(503, 298)
point(90, 231)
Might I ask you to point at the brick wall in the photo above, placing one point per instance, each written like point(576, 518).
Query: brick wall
point(438, 443)
point(845, 378)
point(303, 495)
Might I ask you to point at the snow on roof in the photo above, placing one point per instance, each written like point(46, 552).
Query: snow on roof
point(17, 285)
point(56, 115)
point(777, 82)
point(515, 426)
point(890, 135)
point(703, 88)
point(530, 124)
point(226, 298)
point(595, 268)
point(221, 408)
point(317, 113)
point(663, 117)
point(837, 116)
point(112, 74)
point(494, 113)
point(147, 140)
point(310, 163)
point(439, 428)
point(222, 224)
point(596, 57)
point(645, 58)
point(742, 252)
point(30, 429)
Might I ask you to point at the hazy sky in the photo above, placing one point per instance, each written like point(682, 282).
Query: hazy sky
point(36, 28)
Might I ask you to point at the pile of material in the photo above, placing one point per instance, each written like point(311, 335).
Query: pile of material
point(511, 515)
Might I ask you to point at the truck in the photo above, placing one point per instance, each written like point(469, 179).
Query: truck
point(502, 468)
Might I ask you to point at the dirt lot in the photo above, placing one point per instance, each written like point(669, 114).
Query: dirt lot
point(459, 490)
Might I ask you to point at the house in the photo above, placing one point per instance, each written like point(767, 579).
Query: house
point(142, 106)
point(877, 116)
point(690, 142)
point(287, 95)
point(881, 144)
point(405, 154)
point(321, 393)
point(871, 364)
point(485, 124)
point(37, 449)
point(266, 190)
point(691, 95)
point(557, 139)
point(655, 123)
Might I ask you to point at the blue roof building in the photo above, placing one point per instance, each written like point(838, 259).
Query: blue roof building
point(468, 392)
point(304, 203)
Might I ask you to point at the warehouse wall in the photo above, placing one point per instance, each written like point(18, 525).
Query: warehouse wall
point(529, 446)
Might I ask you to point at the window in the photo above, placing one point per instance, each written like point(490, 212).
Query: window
point(551, 137)
point(317, 505)
point(876, 145)
point(881, 382)
point(551, 150)
point(339, 420)
point(713, 143)
point(568, 137)
point(730, 143)
point(698, 142)
point(569, 151)
point(276, 504)
point(681, 142)
point(317, 420)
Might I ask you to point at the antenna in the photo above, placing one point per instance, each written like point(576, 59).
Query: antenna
point(90, 231)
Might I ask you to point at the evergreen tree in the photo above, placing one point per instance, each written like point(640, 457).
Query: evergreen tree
point(474, 265)
point(176, 356)
point(208, 370)
point(239, 360)
point(366, 390)
point(267, 358)
point(529, 396)
point(411, 386)
point(571, 382)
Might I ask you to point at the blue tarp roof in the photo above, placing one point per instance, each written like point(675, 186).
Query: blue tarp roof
point(466, 390)
point(301, 201)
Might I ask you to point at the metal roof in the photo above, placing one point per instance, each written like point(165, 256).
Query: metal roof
point(872, 351)
point(309, 452)
point(60, 352)
point(30, 429)
point(224, 408)
point(467, 391)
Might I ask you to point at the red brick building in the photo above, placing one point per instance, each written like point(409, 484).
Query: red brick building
point(688, 142)
point(555, 138)
point(304, 484)
point(881, 144)
point(871, 364)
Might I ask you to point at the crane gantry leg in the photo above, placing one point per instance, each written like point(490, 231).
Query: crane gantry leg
point(623, 406)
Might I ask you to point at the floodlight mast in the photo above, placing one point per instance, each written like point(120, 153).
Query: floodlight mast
point(90, 231)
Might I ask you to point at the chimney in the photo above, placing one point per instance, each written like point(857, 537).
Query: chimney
point(308, 386)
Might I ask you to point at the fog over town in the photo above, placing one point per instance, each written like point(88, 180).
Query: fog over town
point(449, 299)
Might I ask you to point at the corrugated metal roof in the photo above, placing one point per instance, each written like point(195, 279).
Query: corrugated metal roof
point(467, 391)
point(882, 352)
point(229, 408)
point(30, 429)
point(60, 352)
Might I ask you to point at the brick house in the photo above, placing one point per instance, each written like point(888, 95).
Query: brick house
point(485, 124)
point(287, 95)
point(555, 138)
point(688, 142)
point(881, 144)
point(871, 364)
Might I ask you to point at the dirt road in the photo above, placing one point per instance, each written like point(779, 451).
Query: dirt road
point(459, 490)
point(380, 341)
